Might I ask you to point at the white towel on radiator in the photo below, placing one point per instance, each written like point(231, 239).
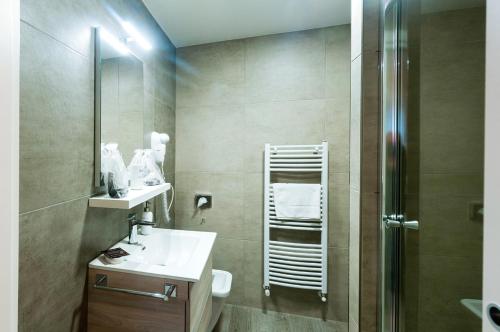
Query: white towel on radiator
point(297, 200)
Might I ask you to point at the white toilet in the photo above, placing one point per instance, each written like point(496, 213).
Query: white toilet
point(221, 287)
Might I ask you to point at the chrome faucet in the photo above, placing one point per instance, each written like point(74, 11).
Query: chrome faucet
point(132, 221)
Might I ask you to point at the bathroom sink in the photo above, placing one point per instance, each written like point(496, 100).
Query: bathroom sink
point(166, 253)
point(165, 248)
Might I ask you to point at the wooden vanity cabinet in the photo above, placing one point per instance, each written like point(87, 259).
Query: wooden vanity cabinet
point(111, 310)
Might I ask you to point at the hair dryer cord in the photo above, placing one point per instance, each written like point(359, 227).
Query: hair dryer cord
point(167, 206)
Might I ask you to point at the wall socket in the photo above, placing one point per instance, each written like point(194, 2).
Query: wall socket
point(207, 205)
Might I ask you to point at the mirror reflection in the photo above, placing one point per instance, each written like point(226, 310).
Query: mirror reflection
point(122, 100)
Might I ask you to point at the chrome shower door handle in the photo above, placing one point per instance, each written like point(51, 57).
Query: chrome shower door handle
point(397, 221)
point(410, 224)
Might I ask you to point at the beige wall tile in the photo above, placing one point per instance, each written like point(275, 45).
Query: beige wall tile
point(369, 261)
point(56, 122)
point(338, 62)
point(149, 113)
point(370, 26)
point(285, 66)
point(337, 132)
point(338, 284)
point(454, 27)
point(254, 206)
point(364, 164)
point(228, 255)
point(209, 139)
point(191, 182)
point(452, 80)
point(165, 82)
point(447, 280)
point(65, 20)
point(370, 125)
point(451, 184)
point(451, 168)
point(291, 122)
point(212, 74)
point(446, 229)
point(453, 83)
point(364, 161)
point(338, 210)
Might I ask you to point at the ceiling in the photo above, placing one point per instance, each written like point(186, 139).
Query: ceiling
point(193, 22)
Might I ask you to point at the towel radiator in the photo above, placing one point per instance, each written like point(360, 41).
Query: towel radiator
point(295, 264)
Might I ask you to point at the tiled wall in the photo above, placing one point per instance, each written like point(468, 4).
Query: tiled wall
point(59, 234)
point(369, 167)
point(364, 165)
point(234, 96)
point(451, 168)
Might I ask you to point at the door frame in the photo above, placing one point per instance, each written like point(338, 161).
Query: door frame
point(491, 246)
point(394, 237)
point(9, 167)
point(389, 317)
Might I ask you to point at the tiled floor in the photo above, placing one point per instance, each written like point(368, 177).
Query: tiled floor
point(246, 319)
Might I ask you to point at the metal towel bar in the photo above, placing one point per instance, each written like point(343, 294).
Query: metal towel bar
point(169, 292)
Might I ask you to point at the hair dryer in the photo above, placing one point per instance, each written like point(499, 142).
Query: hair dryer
point(159, 147)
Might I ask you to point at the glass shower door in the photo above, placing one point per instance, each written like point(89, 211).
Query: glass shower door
point(400, 157)
point(432, 86)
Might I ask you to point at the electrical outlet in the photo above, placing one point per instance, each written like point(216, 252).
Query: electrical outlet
point(207, 196)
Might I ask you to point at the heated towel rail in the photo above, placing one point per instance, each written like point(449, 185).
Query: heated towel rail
point(294, 264)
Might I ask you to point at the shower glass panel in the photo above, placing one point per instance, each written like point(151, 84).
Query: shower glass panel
point(390, 236)
point(432, 78)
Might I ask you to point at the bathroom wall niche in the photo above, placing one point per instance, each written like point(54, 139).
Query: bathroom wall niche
point(119, 99)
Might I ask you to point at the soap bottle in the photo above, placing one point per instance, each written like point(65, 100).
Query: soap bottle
point(147, 215)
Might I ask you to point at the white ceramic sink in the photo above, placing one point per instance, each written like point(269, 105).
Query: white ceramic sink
point(166, 253)
point(166, 248)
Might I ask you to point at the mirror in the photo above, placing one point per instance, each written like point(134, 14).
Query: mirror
point(119, 99)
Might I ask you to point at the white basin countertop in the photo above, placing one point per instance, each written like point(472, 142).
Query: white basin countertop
point(166, 253)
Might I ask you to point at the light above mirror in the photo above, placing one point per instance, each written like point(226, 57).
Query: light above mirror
point(136, 36)
point(114, 42)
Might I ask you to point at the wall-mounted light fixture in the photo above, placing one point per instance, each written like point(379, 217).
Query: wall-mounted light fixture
point(136, 36)
point(113, 41)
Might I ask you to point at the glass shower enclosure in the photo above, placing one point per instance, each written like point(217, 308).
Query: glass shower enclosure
point(432, 109)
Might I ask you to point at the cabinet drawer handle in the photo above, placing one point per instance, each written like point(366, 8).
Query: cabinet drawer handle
point(170, 290)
